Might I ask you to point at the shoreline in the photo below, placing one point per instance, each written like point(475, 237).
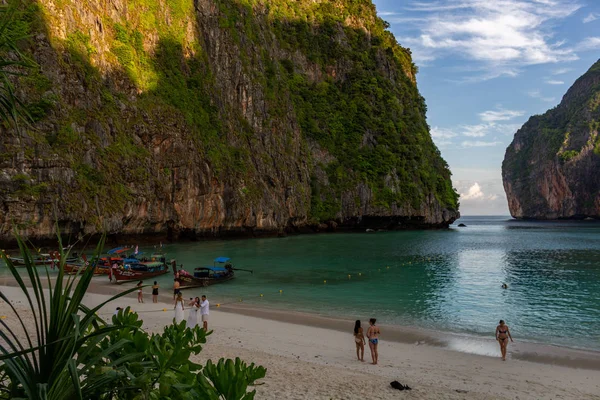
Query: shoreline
point(540, 353)
point(307, 362)
point(9, 243)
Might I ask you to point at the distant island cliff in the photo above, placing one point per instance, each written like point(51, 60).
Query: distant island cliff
point(551, 169)
point(218, 117)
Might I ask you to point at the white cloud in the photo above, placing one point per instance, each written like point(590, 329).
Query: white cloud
point(442, 136)
point(480, 130)
point(535, 94)
point(481, 194)
point(490, 128)
point(442, 133)
point(554, 82)
point(500, 35)
point(589, 43)
point(590, 17)
point(499, 115)
point(474, 192)
point(478, 143)
point(561, 71)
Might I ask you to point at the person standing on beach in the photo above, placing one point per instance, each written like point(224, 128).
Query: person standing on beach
point(176, 289)
point(179, 316)
point(204, 311)
point(359, 339)
point(155, 292)
point(373, 335)
point(140, 294)
point(502, 336)
point(192, 320)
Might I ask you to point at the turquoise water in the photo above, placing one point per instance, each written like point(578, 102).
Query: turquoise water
point(446, 280)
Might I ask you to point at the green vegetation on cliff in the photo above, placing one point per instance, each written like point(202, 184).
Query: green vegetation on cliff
point(550, 169)
point(329, 70)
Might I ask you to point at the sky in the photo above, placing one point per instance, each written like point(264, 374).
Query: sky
point(485, 67)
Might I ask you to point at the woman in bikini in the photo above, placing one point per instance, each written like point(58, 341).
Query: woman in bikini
point(155, 292)
point(373, 335)
point(140, 294)
point(359, 339)
point(502, 336)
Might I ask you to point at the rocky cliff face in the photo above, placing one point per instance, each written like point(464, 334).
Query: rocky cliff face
point(213, 117)
point(550, 170)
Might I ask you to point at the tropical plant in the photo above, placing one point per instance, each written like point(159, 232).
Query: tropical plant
point(71, 353)
point(158, 366)
point(12, 60)
point(42, 362)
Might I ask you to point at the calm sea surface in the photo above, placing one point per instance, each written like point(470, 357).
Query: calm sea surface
point(446, 280)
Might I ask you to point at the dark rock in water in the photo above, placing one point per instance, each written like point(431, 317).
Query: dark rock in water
point(462, 226)
point(550, 170)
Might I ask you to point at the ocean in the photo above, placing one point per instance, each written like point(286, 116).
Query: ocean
point(443, 280)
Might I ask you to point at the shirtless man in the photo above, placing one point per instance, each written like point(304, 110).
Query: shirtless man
point(175, 288)
point(373, 335)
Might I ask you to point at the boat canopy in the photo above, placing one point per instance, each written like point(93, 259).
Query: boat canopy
point(118, 250)
point(137, 263)
point(154, 264)
point(222, 259)
point(214, 269)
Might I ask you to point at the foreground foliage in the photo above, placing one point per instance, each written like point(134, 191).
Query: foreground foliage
point(71, 353)
point(12, 60)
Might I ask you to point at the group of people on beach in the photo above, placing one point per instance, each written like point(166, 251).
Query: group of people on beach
point(140, 294)
point(196, 304)
point(372, 335)
point(502, 336)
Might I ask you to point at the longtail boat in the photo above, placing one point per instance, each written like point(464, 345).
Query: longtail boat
point(138, 271)
point(206, 276)
point(43, 259)
point(132, 268)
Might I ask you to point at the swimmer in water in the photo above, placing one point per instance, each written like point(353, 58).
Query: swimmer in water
point(504, 286)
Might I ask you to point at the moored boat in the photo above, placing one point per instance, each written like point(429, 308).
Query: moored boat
point(43, 259)
point(137, 271)
point(221, 271)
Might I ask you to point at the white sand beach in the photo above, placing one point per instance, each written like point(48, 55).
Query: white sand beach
point(308, 362)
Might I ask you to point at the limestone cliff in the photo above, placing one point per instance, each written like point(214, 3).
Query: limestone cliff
point(215, 117)
point(550, 170)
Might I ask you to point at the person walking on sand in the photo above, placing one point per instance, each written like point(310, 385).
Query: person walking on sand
point(140, 294)
point(204, 311)
point(192, 320)
point(502, 336)
point(155, 292)
point(359, 340)
point(176, 289)
point(373, 335)
point(179, 309)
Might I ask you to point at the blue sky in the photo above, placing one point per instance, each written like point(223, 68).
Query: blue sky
point(486, 66)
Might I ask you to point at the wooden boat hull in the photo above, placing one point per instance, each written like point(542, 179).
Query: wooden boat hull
point(131, 275)
point(72, 269)
point(19, 262)
point(186, 282)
